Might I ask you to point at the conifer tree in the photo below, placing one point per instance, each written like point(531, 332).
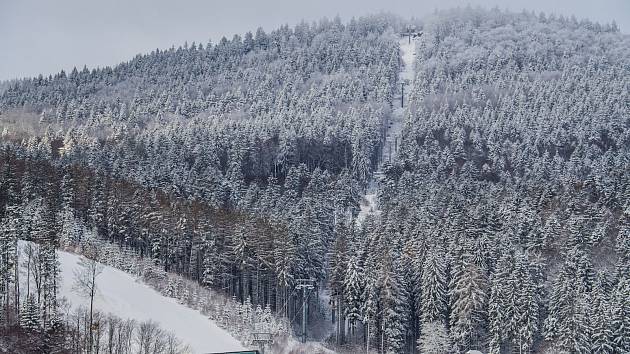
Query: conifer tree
point(468, 305)
point(353, 290)
point(30, 316)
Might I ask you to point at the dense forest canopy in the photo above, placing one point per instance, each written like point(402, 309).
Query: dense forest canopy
point(510, 204)
point(504, 221)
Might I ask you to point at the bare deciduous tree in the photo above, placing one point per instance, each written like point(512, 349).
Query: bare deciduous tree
point(147, 337)
point(90, 267)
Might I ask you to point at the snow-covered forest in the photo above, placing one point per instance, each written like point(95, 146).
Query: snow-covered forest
point(239, 169)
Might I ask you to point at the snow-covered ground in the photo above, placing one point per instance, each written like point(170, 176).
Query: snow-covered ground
point(122, 295)
point(408, 51)
point(293, 346)
point(406, 75)
point(369, 204)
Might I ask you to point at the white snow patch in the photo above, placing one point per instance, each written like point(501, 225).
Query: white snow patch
point(122, 295)
point(408, 51)
point(368, 205)
point(292, 346)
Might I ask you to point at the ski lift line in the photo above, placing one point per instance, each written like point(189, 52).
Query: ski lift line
point(392, 127)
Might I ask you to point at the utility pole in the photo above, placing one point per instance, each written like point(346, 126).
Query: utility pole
point(306, 285)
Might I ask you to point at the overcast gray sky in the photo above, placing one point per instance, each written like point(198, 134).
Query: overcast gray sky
point(48, 35)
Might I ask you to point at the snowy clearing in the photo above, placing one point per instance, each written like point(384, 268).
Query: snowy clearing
point(369, 202)
point(367, 206)
point(122, 295)
point(408, 50)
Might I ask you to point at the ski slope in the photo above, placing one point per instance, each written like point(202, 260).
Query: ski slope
point(122, 295)
point(368, 205)
point(407, 53)
point(406, 76)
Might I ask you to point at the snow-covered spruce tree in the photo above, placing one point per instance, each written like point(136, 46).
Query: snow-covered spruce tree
point(602, 326)
point(338, 273)
point(434, 304)
point(468, 303)
point(9, 228)
point(209, 261)
point(353, 290)
point(48, 266)
point(30, 317)
point(620, 316)
point(434, 338)
point(568, 324)
point(392, 301)
point(434, 299)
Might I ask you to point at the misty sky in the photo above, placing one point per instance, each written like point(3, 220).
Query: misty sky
point(46, 36)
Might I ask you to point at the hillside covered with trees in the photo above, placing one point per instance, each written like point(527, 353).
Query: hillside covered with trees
point(503, 224)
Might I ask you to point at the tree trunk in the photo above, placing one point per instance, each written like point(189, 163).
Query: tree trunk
point(91, 309)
